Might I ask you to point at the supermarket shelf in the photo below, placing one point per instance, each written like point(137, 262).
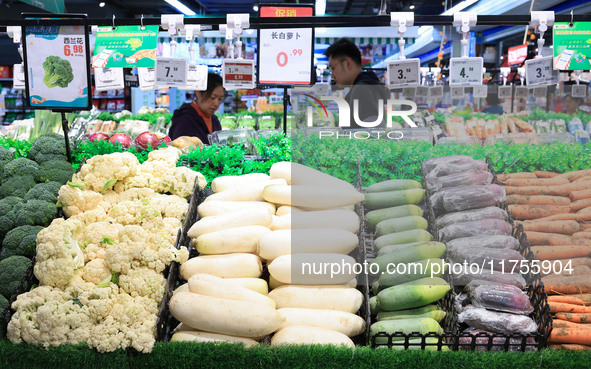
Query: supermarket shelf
point(5, 79)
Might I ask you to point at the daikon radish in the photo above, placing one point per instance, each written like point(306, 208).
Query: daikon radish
point(225, 241)
point(335, 218)
point(220, 207)
point(314, 297)
point(298, 174)
point(199, 336)
point(224, 266)
point(247, 192)
point(182, 288)
point(283, 210)
point(256, 284)
point(223, 183)
point(210, 285)
point(312, 197)
point(313, 268)
point(347, 323)
point(260, 217)
point(282, 222)
point(224, 316)
point(306, 335)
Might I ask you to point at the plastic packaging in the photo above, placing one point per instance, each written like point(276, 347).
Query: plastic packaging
point(498, 322)
point(503, 262)
point(482, 339)
point(430, 164)
point(445, 169)
point(459, 179)
point(466, 198)
point(502, 297)
point(460, 300)
point(465, 277)
point(491, 242)
point(483, 227)
point(491, 212)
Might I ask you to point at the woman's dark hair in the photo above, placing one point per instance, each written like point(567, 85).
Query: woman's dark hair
point(579, 100)
point(213, 81)
point(344, 47)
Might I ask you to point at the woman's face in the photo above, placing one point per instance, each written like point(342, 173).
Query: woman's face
point(210, 104)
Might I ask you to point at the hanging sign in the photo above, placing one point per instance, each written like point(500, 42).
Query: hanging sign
point(238, 73)
point(286, 55)
point(57, 66)
point(571, 46)
point(125, 47)
point(465, 71)
point(171, 72)
point(539, 71)
point(517, 54)
point(405, 72)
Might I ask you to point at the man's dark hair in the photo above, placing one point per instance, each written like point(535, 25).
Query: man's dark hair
point(213, 81)
point(344, 47)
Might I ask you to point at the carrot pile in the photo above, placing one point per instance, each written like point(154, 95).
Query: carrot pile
point(555, 212)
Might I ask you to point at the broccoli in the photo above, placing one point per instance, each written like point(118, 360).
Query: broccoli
point(20, 167)
point(58, 72)
point(47, 147)
point(47, 191)
point(55, 170)
point(20, 241)
point(9, 207)
point(35, 212)
point(16, 186)
point(12, 271)
point(5, 155)
point(3, 319)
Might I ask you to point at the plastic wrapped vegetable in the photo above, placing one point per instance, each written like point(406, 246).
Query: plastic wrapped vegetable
point(466, 198)
point(491, 242)
point(446, 169)
point(228, 122)
point(501, 262)
point(459, 179)
point(247, 121)
point(498, 322)
point(430, 164)
point(267, 122)
point(481, 340)
point(509, 299)
point(483, 227)
point(491, 212)
point(465, 277)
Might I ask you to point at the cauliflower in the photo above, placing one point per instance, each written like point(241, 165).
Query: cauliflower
point(143, 282)
point(96, 271)
point(103, 171)
point(170, 206)
point(180, 181)
point(157, 168)
point(99, 232)
point(170, 154)
point(58, 253)
point(92, 216)
point(136, 194)
point(140, 180)
point(75, 201)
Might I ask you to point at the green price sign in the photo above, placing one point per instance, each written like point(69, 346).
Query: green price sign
point(125, 47)
point(572, 46)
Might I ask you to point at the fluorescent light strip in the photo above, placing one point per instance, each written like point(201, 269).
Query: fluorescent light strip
point(320, 7)
point(180, 7)
point(458, 8)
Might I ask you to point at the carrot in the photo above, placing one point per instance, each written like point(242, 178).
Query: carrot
point(586, 235)
point(586, 178)
point(565, 284)
point(568, 299)
point(579, 195)
point(561, 307)
point(581, 270)
point(554, 239)
point(586, 210)
point(559, 323)
point(573, 262)
point(579, 217)
point(573, 176)
point(536, 211)
point(561, 190)
point(522, 182)
point(538, 200)
point(571, 335)
point(585, 226)
point(558, 226)
point(555, 346)
point(543, 174)
point(575, 317)
point(575, 347)
point(568, 241)
point(580, 204)
point(559, 252)
point(503, 177)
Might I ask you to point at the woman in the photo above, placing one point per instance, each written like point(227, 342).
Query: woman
point(197, 118)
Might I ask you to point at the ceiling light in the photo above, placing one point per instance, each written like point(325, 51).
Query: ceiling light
point(255, 7)
point(320, 7)
point(411, 7)
point(458, 8)
point(101, 4)
point(180, 7)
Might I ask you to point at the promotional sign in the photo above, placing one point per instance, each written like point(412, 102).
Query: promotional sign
point(125, 47)
point(404, 73)
point(572, 46)
point(517, 54)
point(57, 67)
point(286, 55)
point(465, 71)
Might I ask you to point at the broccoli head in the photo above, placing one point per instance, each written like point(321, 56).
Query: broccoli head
point(47, 147)
point(3, 319)
point(58, 72)
point(44, 191)
point(12, 271)
point(20, 167)
point(16, 186)
point(55, 170)
point(20, 241)
point(35, 212)
point(9, 207)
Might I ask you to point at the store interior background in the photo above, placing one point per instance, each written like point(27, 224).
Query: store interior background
point(431, 44)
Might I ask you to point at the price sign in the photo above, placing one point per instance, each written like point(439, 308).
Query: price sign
point(171, 72)
point(465, 71)
point(422, 91)
point(106, 79)
point(436, 91)
point(404, 73)
point(238, 74)
point(539, 71)
point(540, 91)
point(505, 92)
point(18, 75)
point(147, 78)
point(480, 91)
point(579, 90)
point(285, 55)
point(196, 78)
point(57, 65)
point(456, 92)
point(409, 92)
point(521, 92)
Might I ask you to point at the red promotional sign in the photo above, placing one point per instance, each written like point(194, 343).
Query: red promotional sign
point(286, 11)
point(517, 54)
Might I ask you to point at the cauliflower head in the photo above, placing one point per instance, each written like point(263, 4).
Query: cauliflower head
point(75, 201)
point(101, 172)
point(169, 154)
point(180, 181)
point(143, 281)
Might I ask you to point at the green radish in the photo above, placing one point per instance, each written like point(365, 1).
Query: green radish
point(413, 294)
point(406, 326)
point(394, 185)
point(400, 224)
point(410, 272)
point(387, 262)
point(373, 305)
point(413, 235)
point(410, 312)
point(389, 248)
point(438, 315)
point(375, 216)
point(380, 200)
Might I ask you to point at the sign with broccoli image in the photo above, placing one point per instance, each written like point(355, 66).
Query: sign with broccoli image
point(125, 47)
point(57, 66)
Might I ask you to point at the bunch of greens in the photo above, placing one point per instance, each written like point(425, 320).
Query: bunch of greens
point(20, 148)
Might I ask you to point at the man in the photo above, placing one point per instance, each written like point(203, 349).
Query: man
point(344, 62)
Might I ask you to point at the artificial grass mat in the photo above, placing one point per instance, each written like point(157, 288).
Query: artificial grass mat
point(209, 355)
